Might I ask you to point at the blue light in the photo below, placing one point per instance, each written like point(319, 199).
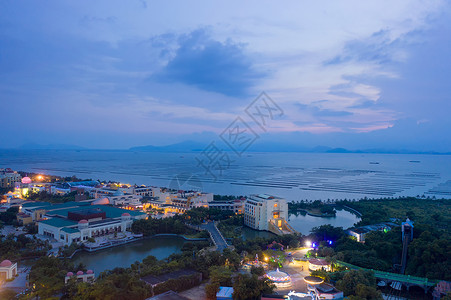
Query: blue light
point(330, 242)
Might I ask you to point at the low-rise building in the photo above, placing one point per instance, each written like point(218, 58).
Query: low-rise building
point(75, 224)
point(188, 200)
point(80, 276)
point(237, 205)
point(24, 218)
point(8, 270)
point(154, 281)
point(360, 232)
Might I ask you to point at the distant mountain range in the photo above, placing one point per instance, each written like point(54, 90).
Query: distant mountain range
point(194, 146)
point(186, 146)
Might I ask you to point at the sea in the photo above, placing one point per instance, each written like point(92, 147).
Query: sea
point(294, 176)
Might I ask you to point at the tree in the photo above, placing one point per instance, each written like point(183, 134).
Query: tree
point(211, 290)
point(327, 232)
point(250, 287)
point(359, 283)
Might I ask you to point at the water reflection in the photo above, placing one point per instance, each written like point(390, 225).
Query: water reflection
point(123, 256)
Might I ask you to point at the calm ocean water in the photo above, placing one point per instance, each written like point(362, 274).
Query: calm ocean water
point(296, 176)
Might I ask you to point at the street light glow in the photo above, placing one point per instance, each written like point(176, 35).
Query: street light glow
point(308, 244)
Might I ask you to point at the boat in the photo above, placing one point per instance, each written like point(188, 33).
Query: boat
point(414, 161)
point(374, 162)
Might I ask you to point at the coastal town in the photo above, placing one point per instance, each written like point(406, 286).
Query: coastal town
point(58, 217)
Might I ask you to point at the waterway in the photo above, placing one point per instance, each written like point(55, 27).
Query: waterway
point(304, 223)
point(125, 255)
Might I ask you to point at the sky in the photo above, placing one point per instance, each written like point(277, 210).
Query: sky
point(117, 74)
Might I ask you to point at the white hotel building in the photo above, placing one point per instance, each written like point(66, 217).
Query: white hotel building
point(266, 212)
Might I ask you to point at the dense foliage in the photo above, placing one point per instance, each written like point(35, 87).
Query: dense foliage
point(118, 284)
point(436, 213)
point(153, 226)
point(20, 247)
point(428, 253)
point(250, 287)
point(200, 214)
point(359, 284)
point(231, 227)
point(9, 217)
point(47, 276)
point(317, 207)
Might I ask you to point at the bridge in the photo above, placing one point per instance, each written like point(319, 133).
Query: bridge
point(388, 277)
point(215, 235)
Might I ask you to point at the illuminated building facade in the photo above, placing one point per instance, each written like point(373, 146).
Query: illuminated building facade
point(266, 212)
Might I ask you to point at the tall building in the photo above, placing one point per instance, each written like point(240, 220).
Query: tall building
point(266, 212)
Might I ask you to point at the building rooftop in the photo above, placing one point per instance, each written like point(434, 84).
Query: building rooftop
point(110, 211)
point(169, 295)
point(58, 222)
point(70, 230)
point(225, 292)
point(35, 204)
point(153, 280)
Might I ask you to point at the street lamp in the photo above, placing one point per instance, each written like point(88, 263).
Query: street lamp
point(308, 244)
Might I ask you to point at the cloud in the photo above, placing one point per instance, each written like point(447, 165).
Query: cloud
point(210, 65)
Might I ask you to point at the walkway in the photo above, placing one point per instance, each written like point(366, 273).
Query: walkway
point(215, 235)
point(390, 277)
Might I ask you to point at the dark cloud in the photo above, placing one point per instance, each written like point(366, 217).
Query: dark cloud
point(210, 65)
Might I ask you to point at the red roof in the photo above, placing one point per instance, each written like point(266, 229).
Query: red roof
point(6, 263)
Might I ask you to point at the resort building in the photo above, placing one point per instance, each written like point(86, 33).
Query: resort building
point(120, 199)
point(188, 200)
point(76, 224)
point(147, 191)
point(8, 178)
point(24, 218)
point(360, 232)
point(237, 205)
point(265, 212)
point(80, 276)
point(8, 270)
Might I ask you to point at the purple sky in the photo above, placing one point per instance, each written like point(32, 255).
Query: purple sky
point(117, 74)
